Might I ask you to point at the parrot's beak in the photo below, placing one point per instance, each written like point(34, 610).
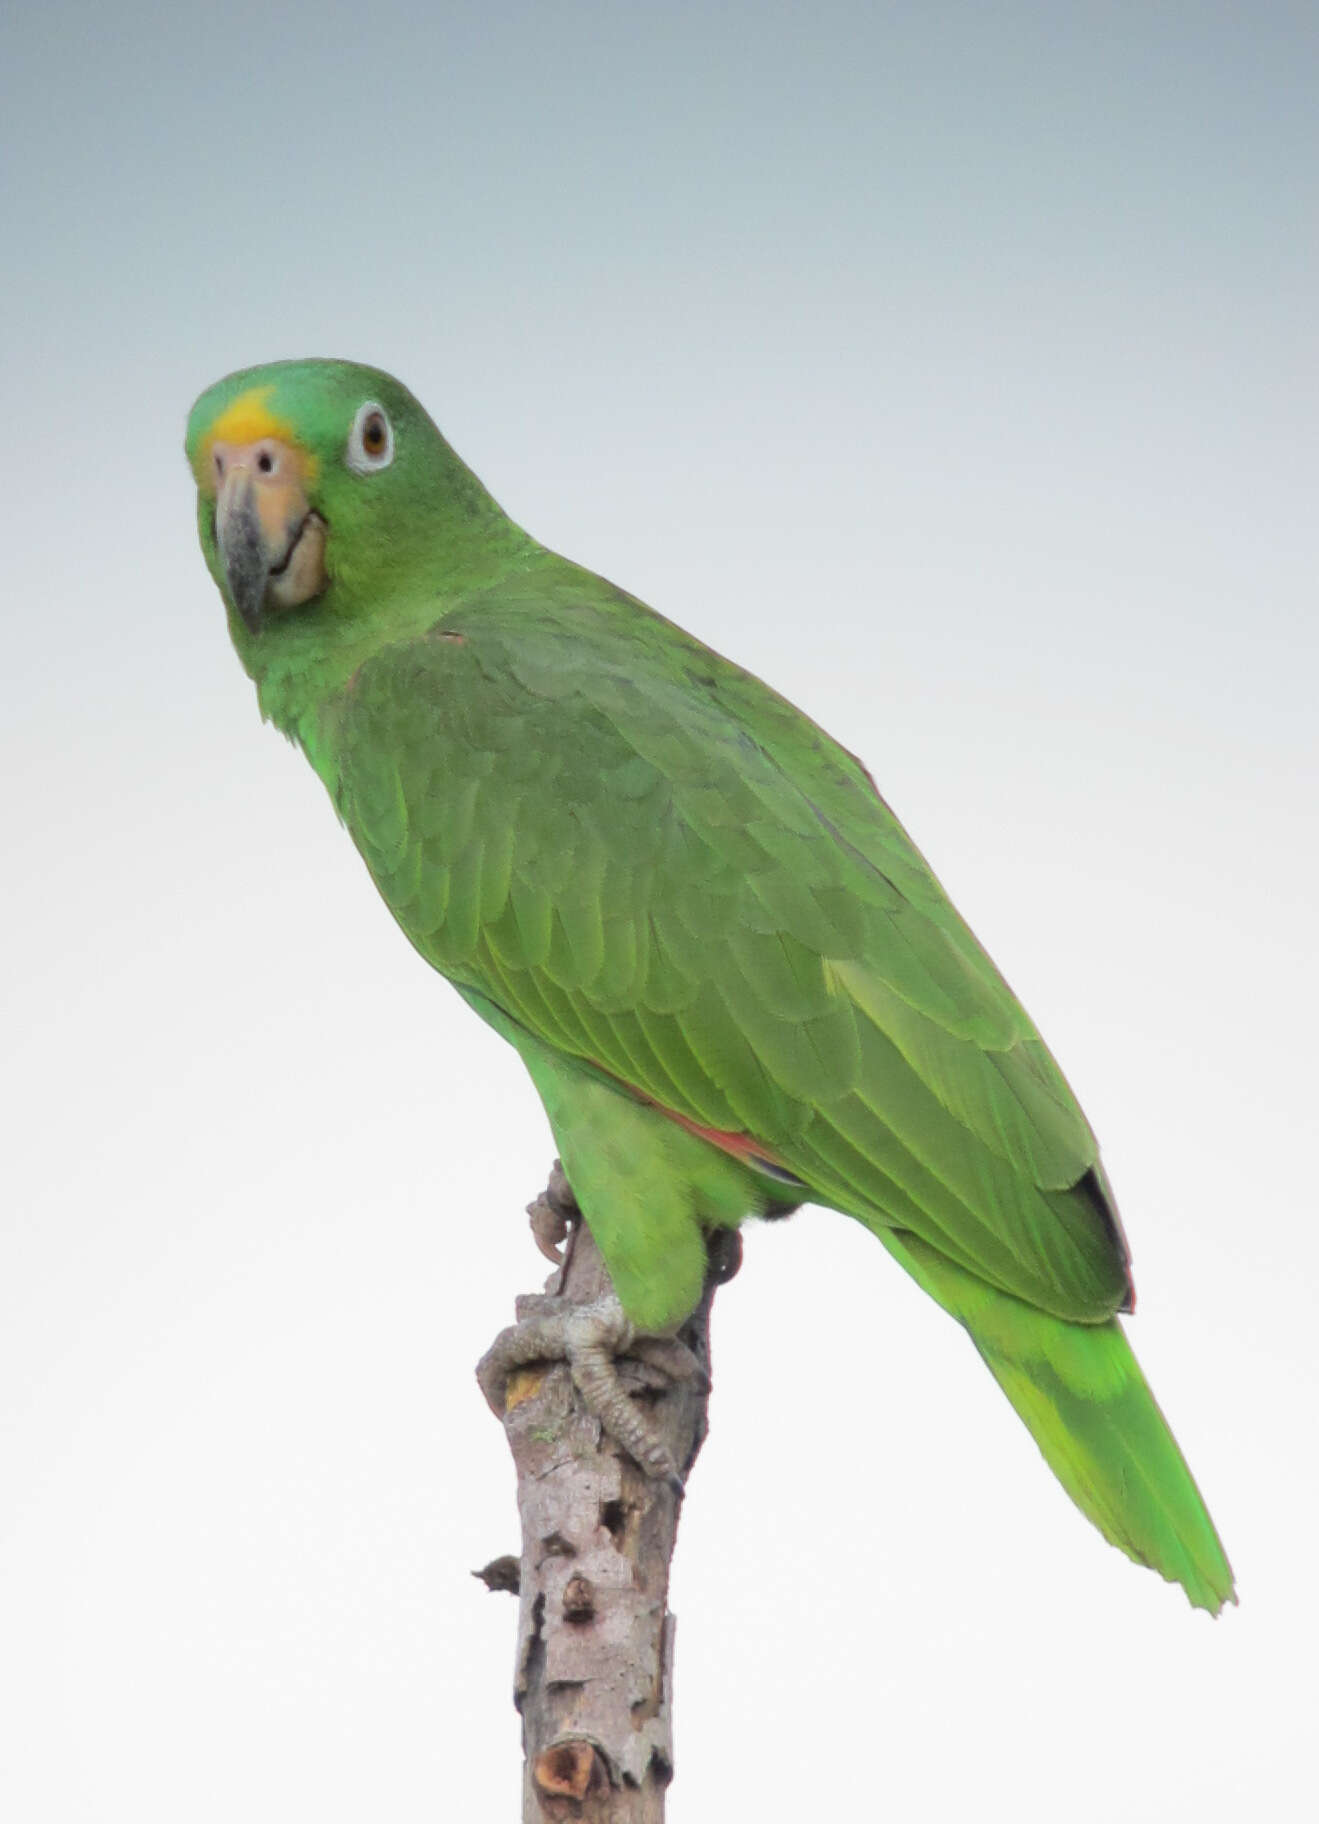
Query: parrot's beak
point(271, 542)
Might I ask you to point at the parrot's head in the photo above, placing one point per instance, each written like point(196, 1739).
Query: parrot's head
point(320, 486)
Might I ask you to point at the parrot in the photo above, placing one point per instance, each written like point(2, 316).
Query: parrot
point(735, 983)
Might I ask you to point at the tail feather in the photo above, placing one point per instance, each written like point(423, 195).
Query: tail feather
point(1081, 1393)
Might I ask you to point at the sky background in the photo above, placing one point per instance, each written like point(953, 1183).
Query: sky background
point(954, 369)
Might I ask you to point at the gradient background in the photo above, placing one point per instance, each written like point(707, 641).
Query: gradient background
point(952, 367)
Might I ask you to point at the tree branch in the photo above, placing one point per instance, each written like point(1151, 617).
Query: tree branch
point(594, 1668)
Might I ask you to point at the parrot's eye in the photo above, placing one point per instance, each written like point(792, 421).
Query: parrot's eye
point(371, 440)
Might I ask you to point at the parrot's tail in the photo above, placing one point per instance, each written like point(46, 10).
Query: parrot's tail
point(1085, 1402)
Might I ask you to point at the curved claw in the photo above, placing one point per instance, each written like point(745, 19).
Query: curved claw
point(552, 1215)
point(549, 1228)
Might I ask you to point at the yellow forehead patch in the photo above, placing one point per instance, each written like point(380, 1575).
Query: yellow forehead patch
point(247, 419)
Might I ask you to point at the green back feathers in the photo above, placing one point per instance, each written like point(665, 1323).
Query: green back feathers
point(634, 870)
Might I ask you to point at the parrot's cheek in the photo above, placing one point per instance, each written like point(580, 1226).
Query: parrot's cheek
point(302, 574)
point(271, 545)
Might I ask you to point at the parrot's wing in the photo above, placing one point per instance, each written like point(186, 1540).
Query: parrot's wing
point(660, 868)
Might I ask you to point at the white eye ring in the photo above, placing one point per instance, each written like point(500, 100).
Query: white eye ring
point(371, 421)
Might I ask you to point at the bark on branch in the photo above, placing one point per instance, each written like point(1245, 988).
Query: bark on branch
point(594, 1668)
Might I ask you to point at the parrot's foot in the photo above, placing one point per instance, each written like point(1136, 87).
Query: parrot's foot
point(590, 1338)
point(553, 1214)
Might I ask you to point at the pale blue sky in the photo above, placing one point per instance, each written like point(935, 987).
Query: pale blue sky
point(954, 368)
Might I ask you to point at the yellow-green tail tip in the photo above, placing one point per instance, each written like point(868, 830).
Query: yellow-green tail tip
point(1081, 1393)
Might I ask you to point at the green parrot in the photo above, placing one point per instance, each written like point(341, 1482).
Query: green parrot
point(736, 984)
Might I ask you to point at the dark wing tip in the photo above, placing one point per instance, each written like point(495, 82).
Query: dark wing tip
point(1094, 1186)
